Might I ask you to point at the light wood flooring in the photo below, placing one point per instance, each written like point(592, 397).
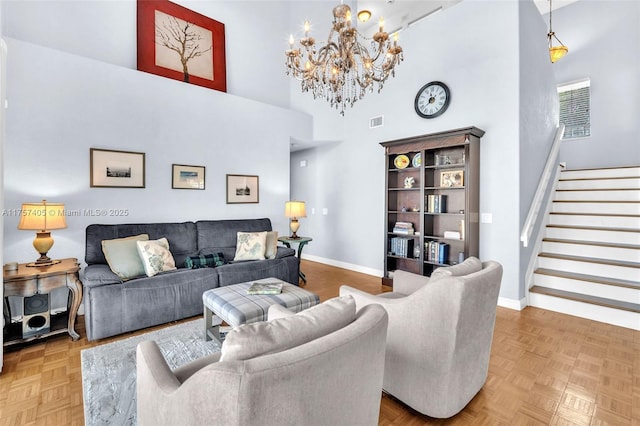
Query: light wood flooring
point(545, 368)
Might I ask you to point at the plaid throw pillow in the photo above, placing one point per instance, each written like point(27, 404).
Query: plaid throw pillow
point(204, 261)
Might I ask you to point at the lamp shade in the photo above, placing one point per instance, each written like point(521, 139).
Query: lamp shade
point(295, 209)
point(557, 52)
point(42, 216)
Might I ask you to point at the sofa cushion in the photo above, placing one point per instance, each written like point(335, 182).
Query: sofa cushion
point(265, 337)
point(251, 245)
point(469, 266)
point(204, 261)
point(156, 256)
point(122, 256)
point(181, 236)
point(221, 235)
point(271, 248)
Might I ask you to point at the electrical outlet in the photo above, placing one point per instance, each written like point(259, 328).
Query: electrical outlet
point(486, 218)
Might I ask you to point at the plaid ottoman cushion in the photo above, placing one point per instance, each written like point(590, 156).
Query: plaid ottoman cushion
point(233, 305)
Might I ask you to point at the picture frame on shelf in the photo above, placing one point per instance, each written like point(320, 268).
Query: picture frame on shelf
point(187, 177)
point(181, 44)
point(116, 169)
point(243, 189)
point(452, 179)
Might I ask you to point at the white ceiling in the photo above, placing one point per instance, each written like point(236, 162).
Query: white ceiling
point(399, 14)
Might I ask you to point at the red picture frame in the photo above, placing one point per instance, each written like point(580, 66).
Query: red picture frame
point(161, 25)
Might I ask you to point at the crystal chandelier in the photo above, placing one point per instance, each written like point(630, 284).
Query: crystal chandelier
point(343, 69)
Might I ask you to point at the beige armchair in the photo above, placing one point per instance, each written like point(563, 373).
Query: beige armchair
point(439, 334)
point(322, 366)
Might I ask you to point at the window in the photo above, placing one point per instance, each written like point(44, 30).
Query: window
point(574, 109)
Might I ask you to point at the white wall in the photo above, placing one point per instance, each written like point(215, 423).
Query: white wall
point(474, 48)
point(58, 111)
point(538, 115)
point(106, 30)
point(604, 45)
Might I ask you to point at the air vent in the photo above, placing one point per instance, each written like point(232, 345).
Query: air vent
point(376, 122)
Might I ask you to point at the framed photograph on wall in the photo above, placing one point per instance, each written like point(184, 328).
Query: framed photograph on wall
point(187, 177)
point(242, 189)
point(181, 44)
point(116, 169)
point(452, 179)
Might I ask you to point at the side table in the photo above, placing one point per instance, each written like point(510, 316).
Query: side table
point(41, 280)
point(301, 241)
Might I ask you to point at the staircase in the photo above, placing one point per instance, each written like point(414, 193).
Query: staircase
point(589, 264)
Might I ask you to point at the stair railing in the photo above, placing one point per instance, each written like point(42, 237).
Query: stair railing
point(551, 169)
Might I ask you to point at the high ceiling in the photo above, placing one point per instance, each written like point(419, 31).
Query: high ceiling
point(401, 13)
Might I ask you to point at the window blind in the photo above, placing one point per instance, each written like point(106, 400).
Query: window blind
point(575, 109)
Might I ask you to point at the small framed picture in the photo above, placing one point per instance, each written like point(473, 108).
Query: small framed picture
point(116, 169)
point(452, 179)
point(242, 189)
point(187, 177)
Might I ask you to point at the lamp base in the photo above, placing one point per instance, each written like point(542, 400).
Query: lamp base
point(295, 225)
point(43, 260)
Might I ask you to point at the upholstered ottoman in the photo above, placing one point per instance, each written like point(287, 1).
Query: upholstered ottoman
point(233, 305)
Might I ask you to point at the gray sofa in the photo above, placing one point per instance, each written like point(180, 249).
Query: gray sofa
point(113, 306)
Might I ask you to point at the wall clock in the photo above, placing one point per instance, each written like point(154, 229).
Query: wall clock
point(432, 99)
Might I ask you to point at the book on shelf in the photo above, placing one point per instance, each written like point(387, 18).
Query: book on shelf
point(405, 228)
point(436, 251)
point(452, 235)
point(265, 288)
point(436, 203)
point(402, 247)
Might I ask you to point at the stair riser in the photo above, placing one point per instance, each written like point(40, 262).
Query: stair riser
point(600, 183)
point(598, 208)
point(584, 310)
point(597, 195)
point(601, 173)
point(597, 269)
point(597, 221)
point(602, 236)
point(624, 294)
point(599, 252)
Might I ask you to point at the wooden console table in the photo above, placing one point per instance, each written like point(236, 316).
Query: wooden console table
point(27, 281)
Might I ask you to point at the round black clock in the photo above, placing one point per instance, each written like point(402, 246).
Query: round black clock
point(432, 99)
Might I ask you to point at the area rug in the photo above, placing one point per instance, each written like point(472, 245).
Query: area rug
point(109, 370)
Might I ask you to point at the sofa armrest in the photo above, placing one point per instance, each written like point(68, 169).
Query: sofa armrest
point(97, 275)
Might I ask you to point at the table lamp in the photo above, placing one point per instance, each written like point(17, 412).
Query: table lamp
point(294, 210)
point(42, 217)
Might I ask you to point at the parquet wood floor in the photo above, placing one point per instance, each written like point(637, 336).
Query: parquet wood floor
point(546, 369)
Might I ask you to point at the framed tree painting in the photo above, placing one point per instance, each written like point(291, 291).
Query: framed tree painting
point(181, 44)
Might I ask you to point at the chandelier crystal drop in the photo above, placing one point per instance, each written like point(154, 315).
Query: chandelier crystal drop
point(343, 69)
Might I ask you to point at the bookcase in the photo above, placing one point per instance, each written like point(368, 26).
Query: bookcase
point(432, 201)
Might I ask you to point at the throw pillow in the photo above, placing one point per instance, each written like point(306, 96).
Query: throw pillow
point(469, 266)
point(250, 245)
point(204, 261)
point(122, 256)
point(265, 337)
point(156, 256)
point(271, 245)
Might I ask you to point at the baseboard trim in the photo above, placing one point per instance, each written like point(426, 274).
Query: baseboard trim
point(344, 265)
point(515, 304)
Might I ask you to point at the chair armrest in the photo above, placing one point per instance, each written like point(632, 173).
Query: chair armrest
point(278, 311)
point(407, 282)
point(363, 299)
point(152, 370)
